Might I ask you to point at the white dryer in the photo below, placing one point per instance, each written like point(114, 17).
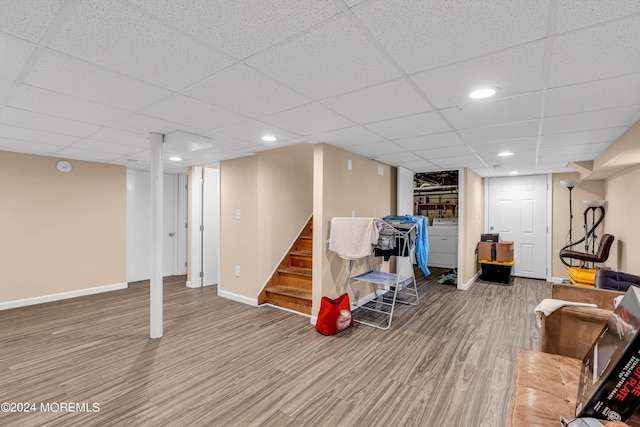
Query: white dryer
point(443, 243)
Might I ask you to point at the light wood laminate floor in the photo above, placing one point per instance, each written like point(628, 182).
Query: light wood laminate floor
point(447, 362)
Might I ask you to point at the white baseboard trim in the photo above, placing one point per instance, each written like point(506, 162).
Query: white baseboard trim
point(467, 286)
point(313, 320)
point(62, 295)
point(238, 298)
point(192, 285)
point(559, 279)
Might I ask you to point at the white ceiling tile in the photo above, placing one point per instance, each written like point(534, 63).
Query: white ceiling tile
point(42, 122)
point(375, 149)
point(398, 158)
point(5, 86)
point(621, 116)
point(330, 60)
point(118, 37)
point(59, 105)
point(118, 136)
point(434, 154)
point(352, 3)
point(71, 76)
point(608, 93)
point(14, 54)
point(512, 72)
point(28, 19)
point(424, 34)
point(420, 166)
point(246, 91)
point(308, 120)
point(487, 113)
point(585, 137)
point(30, 147)
point(455, 162)
point(42, 137)
point(241, 28)
point(188, 111)
point(596, 53)
point(525, 129)
point(253, 130)
point(574, 14)
point(88, 155)
point(229, 144)
point(409, 126)
point(349, 136)
point(572, 150)
point(385, 101)
point(106, 147)
point(516, 146)
point(141, 123)
point(437, 140)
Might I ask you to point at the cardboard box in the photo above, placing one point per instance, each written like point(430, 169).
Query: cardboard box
point(609, 386)
point(504, 251)
point(487, 251)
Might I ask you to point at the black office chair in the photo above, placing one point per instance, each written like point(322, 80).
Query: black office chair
point(601, 256)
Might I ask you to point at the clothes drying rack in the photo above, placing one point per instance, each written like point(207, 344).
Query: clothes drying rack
point(387, 289)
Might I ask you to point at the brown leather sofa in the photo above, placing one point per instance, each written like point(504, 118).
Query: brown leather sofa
point(545, 382)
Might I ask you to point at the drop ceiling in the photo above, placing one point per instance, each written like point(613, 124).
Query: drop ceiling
point(386, 79)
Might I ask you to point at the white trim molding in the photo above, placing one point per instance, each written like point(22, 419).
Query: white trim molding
point(60, 296)
point(238, 298)
point(467, 286)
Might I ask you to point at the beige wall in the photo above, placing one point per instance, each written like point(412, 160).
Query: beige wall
point(338, 191)
point(472, 224)
point(273, 191)
point(586, 190)
point(623, 207)
point(62, 232)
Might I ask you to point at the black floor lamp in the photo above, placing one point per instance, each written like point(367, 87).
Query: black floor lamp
point(570, 184)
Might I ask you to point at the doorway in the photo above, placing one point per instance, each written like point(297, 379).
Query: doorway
point(139, 229)
point(518, 211)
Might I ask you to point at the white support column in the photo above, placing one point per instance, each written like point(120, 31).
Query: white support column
point(156, 141)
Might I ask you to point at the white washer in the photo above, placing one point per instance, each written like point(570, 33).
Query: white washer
point(443, 243)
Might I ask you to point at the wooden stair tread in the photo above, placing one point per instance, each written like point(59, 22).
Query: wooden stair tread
point(306, 272)
point(306, 237)
point(289, 291)
point(301, 253)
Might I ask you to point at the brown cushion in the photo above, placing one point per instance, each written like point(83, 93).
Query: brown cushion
point(545, 386)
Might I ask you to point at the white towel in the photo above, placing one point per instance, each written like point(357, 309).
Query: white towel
point(548, 306)
point(351, 237)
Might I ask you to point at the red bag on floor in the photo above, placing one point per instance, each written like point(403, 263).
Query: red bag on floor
point(334, 315)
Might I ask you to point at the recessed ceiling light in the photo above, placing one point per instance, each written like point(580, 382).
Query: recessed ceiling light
point(269, 138)
point(175, 158)
point(485, 92)
point(514, 173)
point(505, 154)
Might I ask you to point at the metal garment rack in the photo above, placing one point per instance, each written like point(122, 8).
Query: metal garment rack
point(376, 309)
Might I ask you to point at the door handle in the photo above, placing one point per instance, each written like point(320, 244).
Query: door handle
point(172, 234)
point(490, 228)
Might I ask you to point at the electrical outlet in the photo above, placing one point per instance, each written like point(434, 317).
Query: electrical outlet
point(349, 165)
point(380, 170)
point(353, 213)
point(237, 271)
point(237, 213)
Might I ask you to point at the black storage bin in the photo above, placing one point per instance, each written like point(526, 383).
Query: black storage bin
point(490, 237)
point(495, 273)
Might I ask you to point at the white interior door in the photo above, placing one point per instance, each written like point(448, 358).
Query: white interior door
point(139, 228)
point(517, 209)
point(211, 223)
point(169, 227)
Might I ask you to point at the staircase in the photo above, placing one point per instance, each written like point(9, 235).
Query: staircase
point(290, 286)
